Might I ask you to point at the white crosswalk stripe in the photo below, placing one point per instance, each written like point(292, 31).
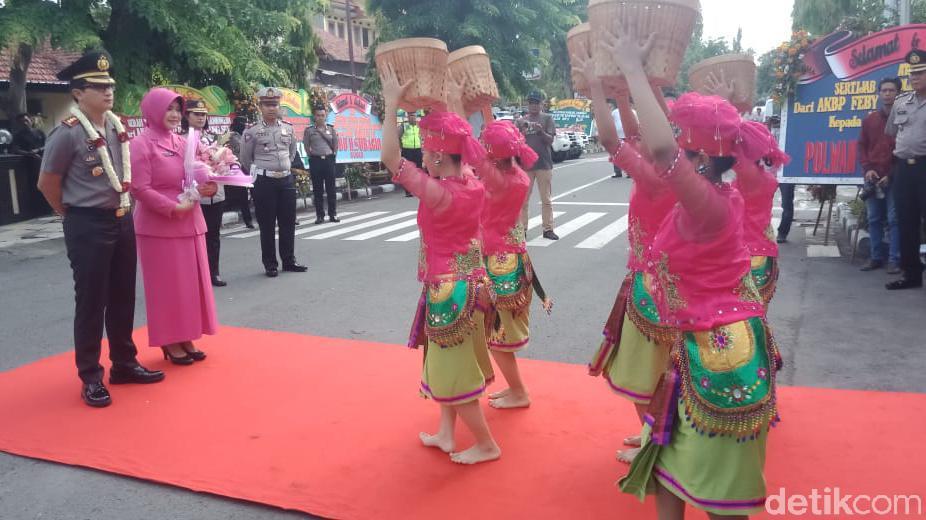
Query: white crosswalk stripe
point(304, 230)
point(605, 236)
point(389, 226)
point(568, 228)
point(531, 224)
point(384, 231)
point(364, 225)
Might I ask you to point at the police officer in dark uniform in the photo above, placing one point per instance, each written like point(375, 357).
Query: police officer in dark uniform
point(321, 144)
point(267, 152)
point(907, 122)
point(77, 180)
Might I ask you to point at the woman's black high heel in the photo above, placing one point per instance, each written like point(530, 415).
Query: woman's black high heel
point(196, 354)
point(177, 360)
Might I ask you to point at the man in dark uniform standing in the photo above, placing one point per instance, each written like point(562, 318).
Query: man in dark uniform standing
point(321, 144)
point(267, 152)
point(907, 122)
point(82, 163)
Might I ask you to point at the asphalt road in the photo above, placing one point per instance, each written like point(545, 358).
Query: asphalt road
point(361, 285)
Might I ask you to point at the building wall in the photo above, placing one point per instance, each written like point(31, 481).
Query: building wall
point(53, 106)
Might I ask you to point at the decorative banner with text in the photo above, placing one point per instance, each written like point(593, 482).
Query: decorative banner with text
point(572, 115)
point(360, 133)
point(821, 124)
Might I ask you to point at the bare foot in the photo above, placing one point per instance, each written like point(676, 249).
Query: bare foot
point(635, 440)
point(476, 454)
point(627, 456)
point(512, 400)
point(437, 441)
point(500, 394)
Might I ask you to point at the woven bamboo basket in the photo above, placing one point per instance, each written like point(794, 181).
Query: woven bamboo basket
point(738, 68)
point(577, 41)
point(422, 60)
point(673, 22)
point(474, 66)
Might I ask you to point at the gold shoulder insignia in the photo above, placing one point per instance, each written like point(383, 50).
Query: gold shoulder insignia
point(71, 121)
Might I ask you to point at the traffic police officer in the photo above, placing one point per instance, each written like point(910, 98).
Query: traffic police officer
point(83, 163)
point(908, 123)
point(321, 144)
point(267, 151)
point(410, 139)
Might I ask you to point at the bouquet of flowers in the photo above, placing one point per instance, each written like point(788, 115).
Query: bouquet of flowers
point(222, 165)
point(789, 64)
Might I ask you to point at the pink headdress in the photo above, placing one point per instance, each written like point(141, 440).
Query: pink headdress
point(449, 133)
point(756, 142)
point(502, 140)
point(707, 123)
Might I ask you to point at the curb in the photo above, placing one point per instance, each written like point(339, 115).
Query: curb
point(305, 204)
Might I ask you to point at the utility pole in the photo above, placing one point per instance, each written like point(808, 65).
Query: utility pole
point(350, 44)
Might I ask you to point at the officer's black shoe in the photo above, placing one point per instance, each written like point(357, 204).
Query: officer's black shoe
point(319, 220)
point(95, 395)
point(904, 283)
point(550, 235)
point(134, 374)
point(271, 272)
point(295, 268)
point(249, 225)
point(333, 219)
point(218, 281)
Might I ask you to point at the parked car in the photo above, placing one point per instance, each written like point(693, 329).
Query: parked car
point(561, 147)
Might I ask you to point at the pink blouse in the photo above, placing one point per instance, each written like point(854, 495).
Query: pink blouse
point(699, 260)
point(758, 186)
point(157, 180)
point(650, 202)
point(505, 195)
point(449, 221)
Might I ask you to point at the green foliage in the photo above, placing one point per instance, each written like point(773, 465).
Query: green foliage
point(821, 17)
point(700, 49)
point(765, 80)
point(235, 44)
point(508, 29)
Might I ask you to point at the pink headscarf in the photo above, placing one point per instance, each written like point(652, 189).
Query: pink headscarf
point(502, 140)
point(708, 124)
point(447, 132)
point(154, 106)
point(712, 125)
point(758, 143)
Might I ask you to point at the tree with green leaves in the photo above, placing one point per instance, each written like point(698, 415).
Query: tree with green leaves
point(821, 17)
point(235, 44)
point(26, 25)
point(508, 29)
point(700, 49)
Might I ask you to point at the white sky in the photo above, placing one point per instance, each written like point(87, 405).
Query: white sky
point(765, 23)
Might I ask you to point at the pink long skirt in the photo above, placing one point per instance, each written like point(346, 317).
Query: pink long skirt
point(178, 288)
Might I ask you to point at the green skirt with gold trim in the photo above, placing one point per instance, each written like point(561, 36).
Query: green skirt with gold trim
point(709, 420)
point(635, 349)
point(765, 273)
point(510, 275)
point(457, 365)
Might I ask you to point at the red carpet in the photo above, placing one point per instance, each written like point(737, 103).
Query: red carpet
point(329, 426)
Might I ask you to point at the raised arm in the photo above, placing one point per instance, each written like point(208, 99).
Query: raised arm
point(492, 177)
point(630, 55)
point(428, 190)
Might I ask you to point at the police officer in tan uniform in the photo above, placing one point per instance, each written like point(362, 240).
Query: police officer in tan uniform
point(77, 177)
point(267, 151)
point(321, 145)
point(907, 122)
